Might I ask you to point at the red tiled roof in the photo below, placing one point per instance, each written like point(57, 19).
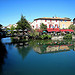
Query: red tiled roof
point(56, 18)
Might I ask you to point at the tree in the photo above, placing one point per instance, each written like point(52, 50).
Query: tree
point(12, 28)
point(0, 27)
point(23, 24)
point(7, 29)
point(72, 27)
point(43, 27)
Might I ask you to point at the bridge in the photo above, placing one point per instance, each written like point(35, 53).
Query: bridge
point(4, 35)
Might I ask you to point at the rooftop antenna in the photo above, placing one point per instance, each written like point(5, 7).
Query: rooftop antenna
point(53, 16)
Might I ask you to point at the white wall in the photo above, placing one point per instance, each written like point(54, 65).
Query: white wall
point(53, 22)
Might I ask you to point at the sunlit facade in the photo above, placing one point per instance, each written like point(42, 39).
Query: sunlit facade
point(55, 22)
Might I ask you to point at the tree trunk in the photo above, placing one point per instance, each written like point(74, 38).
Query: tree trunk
point(23, 32)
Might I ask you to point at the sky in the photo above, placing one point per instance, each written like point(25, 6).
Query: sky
point(11, 10)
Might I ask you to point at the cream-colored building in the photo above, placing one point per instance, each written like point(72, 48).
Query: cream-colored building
point(55, 22)
point(9, 26)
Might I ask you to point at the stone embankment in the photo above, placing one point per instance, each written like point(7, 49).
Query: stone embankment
point(61, 37)
point(57, 38)
point(73, 37)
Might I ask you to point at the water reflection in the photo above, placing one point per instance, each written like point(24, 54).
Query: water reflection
point(45, 46)
point(23, 48)
point(23, 60)
point(23, 51)
point(3, 55)
point(53, 46)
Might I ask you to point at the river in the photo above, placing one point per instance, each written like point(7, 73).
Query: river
point(37, 57)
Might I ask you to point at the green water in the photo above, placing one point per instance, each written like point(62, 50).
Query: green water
point(41, 57)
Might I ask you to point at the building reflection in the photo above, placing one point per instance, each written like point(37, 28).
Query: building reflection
point(53, 48)
point(74, 46)
point(3, 55)
point(57, 48)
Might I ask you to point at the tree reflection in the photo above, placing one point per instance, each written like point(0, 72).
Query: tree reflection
point(3, 55)
point(23, 48)
point(24, 51)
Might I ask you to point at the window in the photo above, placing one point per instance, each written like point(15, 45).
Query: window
point(45, 20)
point(33, 26)
point(56, 26)
point(50, 20)
point(65, 20)
point(61, 20)
point(63, 26)
point(36, 20)
point(50, 26)
point(56, 20)
point(45, 24)
point(36, 25)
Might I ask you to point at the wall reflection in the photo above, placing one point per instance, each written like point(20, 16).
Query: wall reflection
point(54, 47)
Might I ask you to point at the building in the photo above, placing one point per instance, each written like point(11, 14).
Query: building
point(9, 26)
point(55, 22)
point(74, 21)
point(71, 23)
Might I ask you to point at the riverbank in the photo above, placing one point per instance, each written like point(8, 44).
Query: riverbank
point(26, 38)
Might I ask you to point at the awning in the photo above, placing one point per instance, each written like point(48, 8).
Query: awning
point(66, 30)
point(59, 30)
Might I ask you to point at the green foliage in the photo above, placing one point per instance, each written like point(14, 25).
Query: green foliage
point(49, 36)
point(72, 27)
point(0, 25)
point(12, 28)
point(34, 33)
point(45, 36)
point(68, 36)
point(7, 31)
point(43, 27)
point(42, 36)
point(23, 24)
point(62, 33)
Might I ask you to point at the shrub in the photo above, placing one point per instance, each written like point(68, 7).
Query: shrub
point(35, 33)
point(49, 36)
point(43, 27)
point(72, 27)
point(44, 36)
point(68, 36)
point(62, 33)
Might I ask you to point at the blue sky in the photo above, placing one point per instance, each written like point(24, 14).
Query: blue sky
point(11, 10)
